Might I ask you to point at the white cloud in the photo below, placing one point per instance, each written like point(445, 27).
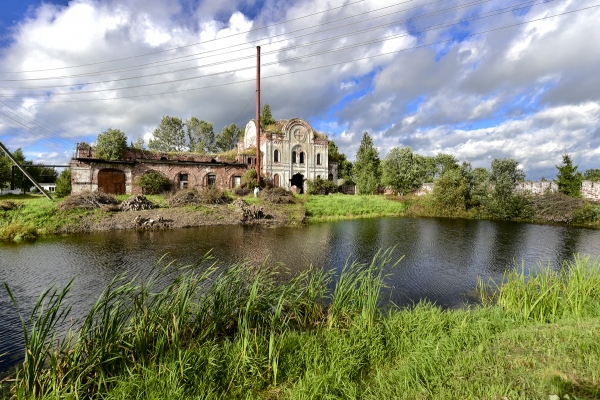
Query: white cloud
point(528, 92)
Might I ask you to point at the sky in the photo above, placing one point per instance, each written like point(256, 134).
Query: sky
point(479, 79)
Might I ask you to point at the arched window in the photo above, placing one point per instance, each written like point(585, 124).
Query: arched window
point(301, 157)
point(276, 156)
point(318, 159)
point(294, 157)
point(211, 180)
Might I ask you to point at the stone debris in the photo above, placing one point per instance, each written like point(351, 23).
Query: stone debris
point(149, 223)
point(251, 213)
point(137, 203)
point(240, 203)
point(208, 195)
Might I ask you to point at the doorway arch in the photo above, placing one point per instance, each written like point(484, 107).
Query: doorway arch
point(298, 181)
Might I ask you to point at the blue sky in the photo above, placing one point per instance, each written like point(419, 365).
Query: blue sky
point(423, 74)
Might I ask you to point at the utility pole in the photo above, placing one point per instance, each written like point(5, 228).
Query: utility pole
point(258, 115)
point(24, 171)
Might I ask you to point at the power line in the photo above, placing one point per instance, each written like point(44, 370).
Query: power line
point(252, 56)
point(188, 45)
point(134, 68)
point(329, 51)
point(328, 65)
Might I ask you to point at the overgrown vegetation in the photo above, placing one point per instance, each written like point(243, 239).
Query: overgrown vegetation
point(153, 182)
point(63, 184)
point(320, 186)
point(250, 334)
point(209, 195)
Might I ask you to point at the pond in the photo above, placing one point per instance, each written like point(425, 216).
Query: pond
point(443, 258)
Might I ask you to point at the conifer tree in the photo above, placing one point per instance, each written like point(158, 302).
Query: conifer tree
point(367, 171)
point(568, 179)
point(266, 118)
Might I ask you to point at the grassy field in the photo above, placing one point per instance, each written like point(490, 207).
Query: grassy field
point(339, 206)
point(249, 337)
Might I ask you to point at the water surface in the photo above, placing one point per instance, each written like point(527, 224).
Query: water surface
point(442, 257)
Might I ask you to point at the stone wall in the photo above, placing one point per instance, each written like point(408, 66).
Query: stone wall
point(536, 187)
point(84, 174)
point(590, 190)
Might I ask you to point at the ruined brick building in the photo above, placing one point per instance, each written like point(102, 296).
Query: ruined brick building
point(291, 152)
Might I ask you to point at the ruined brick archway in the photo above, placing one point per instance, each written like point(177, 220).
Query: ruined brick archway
point(111, 181)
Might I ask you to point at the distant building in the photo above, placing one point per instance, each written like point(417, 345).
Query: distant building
point(292, 152)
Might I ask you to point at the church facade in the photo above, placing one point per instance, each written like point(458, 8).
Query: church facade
point(291, 152)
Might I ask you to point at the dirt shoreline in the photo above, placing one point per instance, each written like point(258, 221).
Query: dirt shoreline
point(190, 216)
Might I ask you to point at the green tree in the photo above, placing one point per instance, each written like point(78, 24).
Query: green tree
point(5, 170)
point(504, 203)
point(228, 138)
point(451, 193)
point(138, 144)
point(344, 165)
point(201, 135)
point(425, 166)
point(169, 136)
point(63, 183)
point(367, 169)
point(399, 170)
point(592, 174)
point(266, 118)
point(111, 144)
point(568, 179)
point(444, 162)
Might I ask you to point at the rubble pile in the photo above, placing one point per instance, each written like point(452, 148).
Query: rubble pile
point(196, 197)
point(277, 196)
point(249, 213)
point(137, 203)
point(89, 201)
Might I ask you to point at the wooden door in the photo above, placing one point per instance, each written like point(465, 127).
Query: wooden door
point(111, 181)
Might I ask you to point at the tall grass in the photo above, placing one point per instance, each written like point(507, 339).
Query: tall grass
point(549, 295)
point(209, 331)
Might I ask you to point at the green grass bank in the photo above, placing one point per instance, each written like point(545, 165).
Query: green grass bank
point(30, 216)
point(249, 336)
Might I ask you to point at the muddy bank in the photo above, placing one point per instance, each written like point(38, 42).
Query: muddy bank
point(189, 216)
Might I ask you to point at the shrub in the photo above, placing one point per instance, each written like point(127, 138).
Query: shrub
point(241, 191)
point(210, 195)
point(321, 186)
point(450, 193)
point(153, 182)
point(277, 196)
point(249, 179)
point(63, 184)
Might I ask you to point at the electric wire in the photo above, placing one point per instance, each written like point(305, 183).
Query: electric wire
point(268, 52)
point(329, 51)
point(327, 65)
point(188, 45)
point(133, 68)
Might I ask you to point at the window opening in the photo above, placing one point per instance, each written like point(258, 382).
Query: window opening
point(301, 157)
point(211, 180)
point(294, 157)
point(276, 156)
point(183, 181)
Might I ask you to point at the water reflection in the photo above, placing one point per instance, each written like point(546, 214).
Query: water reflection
point(443, 257)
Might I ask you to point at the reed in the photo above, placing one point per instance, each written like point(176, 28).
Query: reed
point(240, 331)
point(549, 295)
